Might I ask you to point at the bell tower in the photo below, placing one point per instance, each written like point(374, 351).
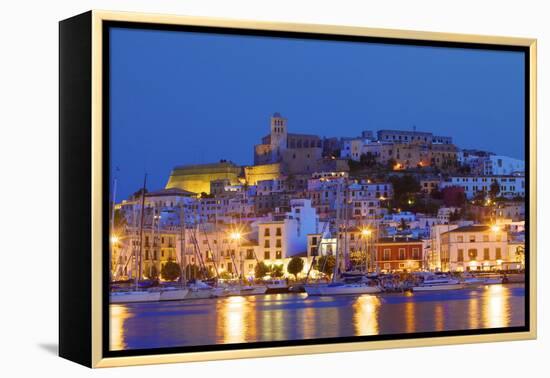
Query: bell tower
point(278, 136)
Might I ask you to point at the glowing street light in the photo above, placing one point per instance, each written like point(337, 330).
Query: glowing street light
point(366, 232)
point(235, 235)
point(495, 228)
point(114, 239)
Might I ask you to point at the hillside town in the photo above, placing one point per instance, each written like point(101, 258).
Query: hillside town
point(385, 201)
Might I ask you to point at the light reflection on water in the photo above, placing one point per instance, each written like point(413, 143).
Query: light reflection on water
point(296, 316)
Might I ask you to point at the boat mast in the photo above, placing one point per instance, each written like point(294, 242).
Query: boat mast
point(139, 264)
point(346, 224)
point(152, 250)
point(337, 262)
point(183, 265)
point(112, 229)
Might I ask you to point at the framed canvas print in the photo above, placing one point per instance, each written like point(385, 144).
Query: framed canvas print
point(236, 189)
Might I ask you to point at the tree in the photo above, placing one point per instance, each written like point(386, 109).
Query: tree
point(453, 196)
point(494, 190)
point(153, 273)
point(479, 197)
point(404, 190)
point(436, 194)
point(368, 159)
point(170, 271)
point(520, 255)
point(192, 271)
point(455, 216)
point(261, 270)
point(276, 271)
point(295, 266)
point(225, 275)
point(326, 264)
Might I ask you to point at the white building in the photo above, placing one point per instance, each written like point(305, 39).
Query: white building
point(286, 236)
point(474, 248)
point(503, 165)
point(353, 148)
point(510, 186)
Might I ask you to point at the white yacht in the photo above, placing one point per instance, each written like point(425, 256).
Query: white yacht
point(239, 290)
point(276, 284)
point(435, 283)
point(173, 293)
point(200, 290)
point(134, 296)
point(341, 288)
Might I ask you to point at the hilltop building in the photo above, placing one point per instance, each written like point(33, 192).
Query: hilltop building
point(197, 177)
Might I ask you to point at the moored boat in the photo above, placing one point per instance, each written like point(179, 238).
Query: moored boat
point(200, 290)
point(173, 294)
point(275, 286)
point(252, 290)
point(341, 288)
point(134, 296)
point(439, 283)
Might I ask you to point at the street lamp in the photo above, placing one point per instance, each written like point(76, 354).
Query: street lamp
point(366, 233)
point(235, 236)
point(495, 228)
point(114, 239)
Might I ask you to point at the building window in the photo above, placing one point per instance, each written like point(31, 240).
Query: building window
point(314, 240)
point(402, 255)
point(416, 253)
point(278, 243)
point(472, 253)
point(266, 243)
point(387, 254)
point(460, 255)
point(485, 238)
point(460, 238)
point(498, 254)
point(499, 238)
point(266, 232)
point(249, 254)
point(472, 238)
point(278, 255)
point(266, 255)
point(486, 255)
point(278, 232)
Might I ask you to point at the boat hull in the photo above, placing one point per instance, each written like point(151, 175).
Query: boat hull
point(438, 287)
point(173, 295)
point(134, 297)
point(349, 289)
point(246, 291)
point(200, 294)
point(312, 289)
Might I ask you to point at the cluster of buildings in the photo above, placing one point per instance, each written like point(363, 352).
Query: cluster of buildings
point(300, 199)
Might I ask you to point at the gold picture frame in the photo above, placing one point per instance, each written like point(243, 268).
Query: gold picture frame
point(88, 330)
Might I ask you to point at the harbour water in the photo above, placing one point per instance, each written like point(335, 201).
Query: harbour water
point(295, 316)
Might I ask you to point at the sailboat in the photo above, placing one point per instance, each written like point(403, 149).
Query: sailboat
point(145, 295)
point(341, 287)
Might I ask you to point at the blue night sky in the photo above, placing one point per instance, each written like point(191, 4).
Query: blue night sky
point(180, 98)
